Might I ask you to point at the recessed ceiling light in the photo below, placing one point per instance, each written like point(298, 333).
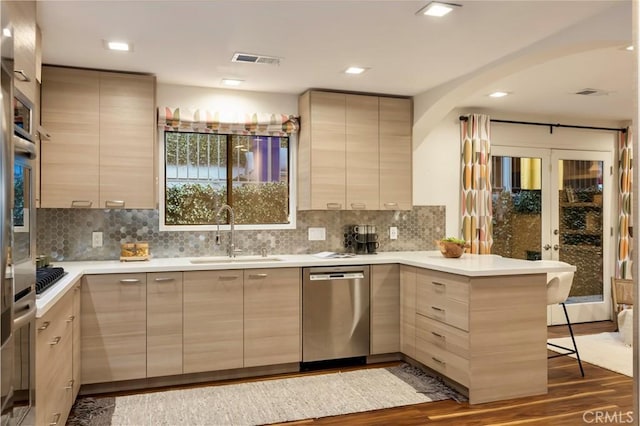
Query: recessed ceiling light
point(498, 94)
point(355, 70)
point(6, 32)
point(437, 9)
point(232, 82)
point(120, 46)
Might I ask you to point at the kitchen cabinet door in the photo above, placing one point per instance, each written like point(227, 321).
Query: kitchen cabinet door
point(213, 320)
point(362, 153)
point(53, 364)
point(385, 309)
point(408, 276)
point(23, 17)
point(322, 151)
point(164, 323)
point(113, 327)
point(396, 154)
point(272, 316)
point(70, 159)
point(127, 129)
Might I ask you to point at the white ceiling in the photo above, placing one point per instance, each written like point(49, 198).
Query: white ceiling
point(192, 42)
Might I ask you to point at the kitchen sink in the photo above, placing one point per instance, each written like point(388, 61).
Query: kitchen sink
point(241, 259)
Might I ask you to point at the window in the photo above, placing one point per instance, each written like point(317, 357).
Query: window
point(203, 171)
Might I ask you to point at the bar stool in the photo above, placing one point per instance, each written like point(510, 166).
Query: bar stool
point(558, 288)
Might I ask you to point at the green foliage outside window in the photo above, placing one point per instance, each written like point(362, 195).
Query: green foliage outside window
point(197, 204)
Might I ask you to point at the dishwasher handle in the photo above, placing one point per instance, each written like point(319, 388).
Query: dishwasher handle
point(336, 276)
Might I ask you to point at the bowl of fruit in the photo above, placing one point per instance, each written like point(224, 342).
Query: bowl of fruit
point(452, 247)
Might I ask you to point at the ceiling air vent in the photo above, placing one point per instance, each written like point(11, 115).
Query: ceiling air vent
point(591, 92)
point(255, 59)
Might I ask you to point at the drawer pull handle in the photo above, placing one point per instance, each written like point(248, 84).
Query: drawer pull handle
point(227, 277)
point(164, 279)
point(44, 326)
point(390, 205)
point(258, 276)
point(435, 308)
point(438, 361)
point(69, 385)
point(55, 341)
point(334, 206)
point(71, 318)
point(130, 281)
point(358, 206)
point(439, 336)
point(438, 284)
point(56, 419)
point(82, 203)
point(114, 204)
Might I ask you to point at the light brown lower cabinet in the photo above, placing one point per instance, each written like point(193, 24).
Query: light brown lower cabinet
point(77, 344)
point(54, 382)
point(271, 316)
point(164, 324)
point(213, 320)
point(114, 327)
point(385, 309)
point(408, 310)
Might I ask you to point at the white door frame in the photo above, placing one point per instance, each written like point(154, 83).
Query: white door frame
point(578, 312)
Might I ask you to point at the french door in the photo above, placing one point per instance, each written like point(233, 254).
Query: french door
point(556, 205)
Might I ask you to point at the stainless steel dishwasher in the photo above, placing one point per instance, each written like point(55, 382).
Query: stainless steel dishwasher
point(335, 313)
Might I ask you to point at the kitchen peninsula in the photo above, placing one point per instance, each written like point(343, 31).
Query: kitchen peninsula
point(478, 321)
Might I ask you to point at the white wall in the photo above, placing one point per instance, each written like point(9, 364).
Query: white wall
point(436, 155)
point(173, 95)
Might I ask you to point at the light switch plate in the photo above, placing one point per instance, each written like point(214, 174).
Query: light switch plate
point(317, 234)
point(96, 239)
point(393, 232)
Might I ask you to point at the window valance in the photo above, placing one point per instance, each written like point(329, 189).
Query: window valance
point(204, 121)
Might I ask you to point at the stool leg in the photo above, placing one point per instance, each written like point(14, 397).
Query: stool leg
point(566, 315)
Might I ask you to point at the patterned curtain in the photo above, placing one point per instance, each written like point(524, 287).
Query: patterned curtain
point(625, 189)
point(204, 121)
point(475, 206)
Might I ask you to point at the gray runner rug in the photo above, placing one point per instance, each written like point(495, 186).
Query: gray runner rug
point(267, 401)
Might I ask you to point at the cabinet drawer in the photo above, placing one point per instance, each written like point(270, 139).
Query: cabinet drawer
point(442, 336)
point(443, 285)
point(56, 322)
point(444, 362)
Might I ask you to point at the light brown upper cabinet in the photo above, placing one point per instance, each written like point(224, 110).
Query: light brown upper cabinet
point(396, 117)
point(23, 17)
point(101, 150)
point(354, 152)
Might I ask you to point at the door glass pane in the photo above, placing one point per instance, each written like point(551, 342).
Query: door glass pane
point(580, 226)
point(517, 207)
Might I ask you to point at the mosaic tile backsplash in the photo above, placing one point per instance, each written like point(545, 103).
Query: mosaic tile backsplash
point(65, 234)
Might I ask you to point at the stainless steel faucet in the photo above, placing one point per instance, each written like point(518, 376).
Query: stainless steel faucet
point(232, 241)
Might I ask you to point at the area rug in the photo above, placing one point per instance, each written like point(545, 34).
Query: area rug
point(605, 350)
point(268, 401)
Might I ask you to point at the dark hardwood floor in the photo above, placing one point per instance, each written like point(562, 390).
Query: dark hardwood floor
point(572, 400)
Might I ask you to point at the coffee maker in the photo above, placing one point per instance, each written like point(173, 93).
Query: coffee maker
point(361, 239)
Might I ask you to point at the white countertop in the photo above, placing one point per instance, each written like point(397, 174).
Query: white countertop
point(470, 265)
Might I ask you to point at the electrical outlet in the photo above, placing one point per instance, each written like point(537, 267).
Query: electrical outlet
point(96, 239)
point(393, 232)
point(317, 234)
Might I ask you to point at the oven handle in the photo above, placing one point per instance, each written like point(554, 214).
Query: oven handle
point(27, 317)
